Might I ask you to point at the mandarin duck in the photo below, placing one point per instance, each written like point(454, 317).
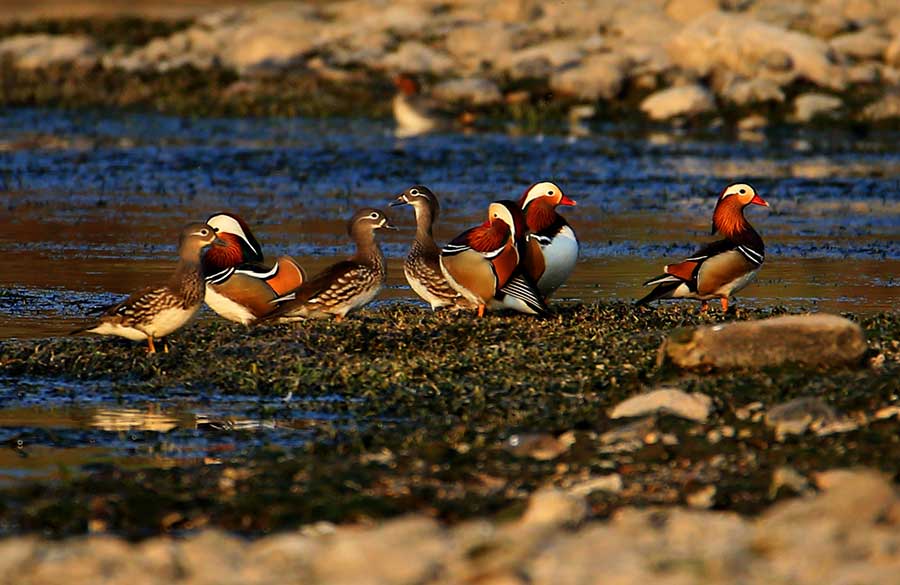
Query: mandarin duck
point(483, 263)
point(239, 285)
point(423, 266)
point(551, 246)
point(154, 312)
point(722, 268)
point(414, 113)
point(345, 286)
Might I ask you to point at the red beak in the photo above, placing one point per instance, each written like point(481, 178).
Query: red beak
point(757, 200)
point(566, 201)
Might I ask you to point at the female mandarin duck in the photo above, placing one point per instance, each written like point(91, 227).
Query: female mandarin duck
point(552, 248)
point(154, 312)
point(239, 286)
point(422, 266)
point(345, 286)
point(483, 263)
point(722, 268)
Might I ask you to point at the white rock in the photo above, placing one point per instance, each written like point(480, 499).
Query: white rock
point(598, 76)
point(796, 416)
point(864, 44)
point(694, 406)
point(892, 52)
point(416, 57)
point(41, 50)
point(811, 105)
point(886, 108)
point(483, 43)
point(745, 46)
point(554, 507)
point(611, 483)
point(473, 90)
point(687, 10)
point(541, 60)
point(686, 100)
point(744, 92)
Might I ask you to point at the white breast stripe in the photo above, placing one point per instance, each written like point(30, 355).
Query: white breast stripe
point(260, 275)
point(696, 258)
point(287, 297)
point(451, 249)
point(519, 288)
point(751, 254)
point(542, 240)
point(493, 254)
point(220, 277)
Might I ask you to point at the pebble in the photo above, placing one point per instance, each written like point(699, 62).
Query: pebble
point(694, 406)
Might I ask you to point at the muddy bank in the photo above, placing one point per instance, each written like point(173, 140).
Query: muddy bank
point(448, 416)
point(748, 64)
point(848, 533)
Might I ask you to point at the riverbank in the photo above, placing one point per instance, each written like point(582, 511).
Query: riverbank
point(747, 65)
point(443, 415)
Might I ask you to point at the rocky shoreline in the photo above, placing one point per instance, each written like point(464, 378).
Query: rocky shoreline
point(749, 64)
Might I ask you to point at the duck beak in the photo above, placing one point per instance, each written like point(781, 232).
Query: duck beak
point(388, 225)
point(566, 201)
point(400, 200)
point(757, 200)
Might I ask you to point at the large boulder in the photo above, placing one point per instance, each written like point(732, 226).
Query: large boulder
point(863, 44)
point(41, 50)
point(598, 76)
point(694, 406)
point(750, 48)
point(812, 340)
point(809, 106)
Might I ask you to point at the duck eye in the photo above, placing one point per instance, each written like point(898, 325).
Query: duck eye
point(373, 215)
point(414, 192)
point(743, 191)
point(549, 192)
point(204, 232)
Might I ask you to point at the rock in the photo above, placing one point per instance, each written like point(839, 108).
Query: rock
point(704, 498)
point(484, 43)
point(401, 19)
point(611, 483)
point(597, 554)
point(684, 11)
point(885, 108)
point(864, 44)
point(788, 477)
point(812, 340)
point(599, 76)
point(14, 553)
point(471, 90)
point(211, 557)
point(403, 551)
point(752, 123)
point(34, 51)
point(745, 46)
point(811, 105)
point(788, 15)
point(864, 73)
point(796, 416)
point(280, 554)
point(887, 412)
point(694, 406)
point(892, 53)
point(629, 437)
point(687, 100)
point(554, 507)
point(745, 92)
point(415, 57)
point(541, 60)
point(642, 23)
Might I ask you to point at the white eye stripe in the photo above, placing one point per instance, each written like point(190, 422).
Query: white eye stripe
point(414, 192)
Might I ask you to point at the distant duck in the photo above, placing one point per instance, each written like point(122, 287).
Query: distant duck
point(415, 113)
point(423, 266)
point(722, 268)
point(154, 312)
point(552, 247)
point(239, 285)
point(345, 286)
point(483, 263)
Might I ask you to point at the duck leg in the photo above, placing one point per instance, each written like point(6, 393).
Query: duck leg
point(724, 304)
point(481, 310)
point(150, 347)
point(704, 306)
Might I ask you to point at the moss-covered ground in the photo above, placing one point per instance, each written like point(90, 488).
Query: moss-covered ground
point(434, 399)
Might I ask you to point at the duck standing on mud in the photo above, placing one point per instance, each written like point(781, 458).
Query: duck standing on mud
point(154, 312)
point(342, 287)
point(239, 285)
point(422, 266)
point(552, 247)
point(483, 263)
point(722, 268)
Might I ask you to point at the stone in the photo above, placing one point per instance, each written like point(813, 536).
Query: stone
point(611, 483)
point(483, 43)
point(403, 551)
point(746, 92)
point(416, 57)
point(684, 11)
point(863, 44)
point(885, 108)
point(14, 553)
point(471, 90)
point(541, 60)
point(704, 498)
point(694, 406)
point(812, 105)
point(813, 340)
point(796, 416)
point(753, 122)
point(892, 52)
point(788, 477)
point(744, 45)
point(211, 556)
point(686, 100)
point(550, 507)
point(597, 554)
point(33, 51)
point(598, 76)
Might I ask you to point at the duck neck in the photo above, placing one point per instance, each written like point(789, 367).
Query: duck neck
point(187, 281)
point(729, 220)
point(425, 217)
point(540, 216)
point(368, 251)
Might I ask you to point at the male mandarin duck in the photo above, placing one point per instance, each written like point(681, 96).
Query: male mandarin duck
point(416, 113)
point(239, 286)
point(423, 266)
point(483, 263)
point(722, 268)
point(345, 286)
point(154, 312)
point(552, 248)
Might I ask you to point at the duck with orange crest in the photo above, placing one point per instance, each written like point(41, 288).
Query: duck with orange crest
point(483, 263)
point(552, 247)
point(240, 286)
point(724, 267)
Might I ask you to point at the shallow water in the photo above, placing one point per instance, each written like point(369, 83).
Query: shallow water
point(92, 203)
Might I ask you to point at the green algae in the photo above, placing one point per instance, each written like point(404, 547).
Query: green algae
point(434, 398)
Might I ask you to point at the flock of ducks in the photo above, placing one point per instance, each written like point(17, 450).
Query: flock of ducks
point(516, 259)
